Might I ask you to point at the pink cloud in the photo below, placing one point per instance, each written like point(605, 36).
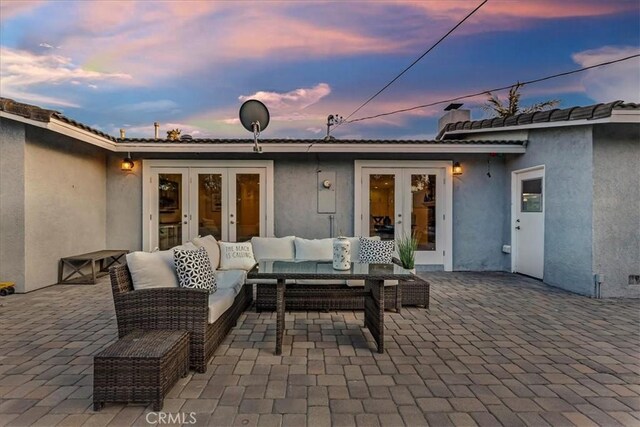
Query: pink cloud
point(12, 8)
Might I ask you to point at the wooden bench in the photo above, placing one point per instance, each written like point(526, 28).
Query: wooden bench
point(105, 258)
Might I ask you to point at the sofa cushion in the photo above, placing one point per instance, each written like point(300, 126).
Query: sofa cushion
point(358, 283)
point(281, 248)
point(213, 250)
point(194, 269)
point(154, 269)
point(355, 247)
point(219, 302)
point(373, 251)
point(230, 279)
point(314, 249)
point(236, 256)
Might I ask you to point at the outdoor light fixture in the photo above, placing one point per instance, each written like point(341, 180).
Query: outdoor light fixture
point(127, 164)
point(457, 169)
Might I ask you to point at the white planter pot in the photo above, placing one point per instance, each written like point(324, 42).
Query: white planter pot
point(341, 254)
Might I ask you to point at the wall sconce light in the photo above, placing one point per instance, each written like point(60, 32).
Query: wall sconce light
point(457, 169)
point(127, 164)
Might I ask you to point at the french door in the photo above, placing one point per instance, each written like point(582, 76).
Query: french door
point(404, 201)
point(230, 203)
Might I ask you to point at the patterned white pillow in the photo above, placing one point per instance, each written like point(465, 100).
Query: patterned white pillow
point(376, 251)
point(194, 269)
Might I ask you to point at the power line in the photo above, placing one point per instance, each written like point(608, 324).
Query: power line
point(541, 79)
point(417, 60)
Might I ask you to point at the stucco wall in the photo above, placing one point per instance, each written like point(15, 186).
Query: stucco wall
point(616, 208)
point(567, 156)
point(124, 205)
point(479, 212)
point(296, 197)
point(12, 203)
point(65, 203)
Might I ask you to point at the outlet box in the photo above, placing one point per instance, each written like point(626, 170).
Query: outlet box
point(327, 195)
point(506, 249)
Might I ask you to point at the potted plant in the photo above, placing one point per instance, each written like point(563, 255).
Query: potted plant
point(407, 245)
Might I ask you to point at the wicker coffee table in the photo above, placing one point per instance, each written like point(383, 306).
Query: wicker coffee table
point(140, 368)
point(374, 276)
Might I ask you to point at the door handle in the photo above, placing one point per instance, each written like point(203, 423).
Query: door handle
point(399, 222)
point(231, 222)
point(185, 223)
point(517, 227)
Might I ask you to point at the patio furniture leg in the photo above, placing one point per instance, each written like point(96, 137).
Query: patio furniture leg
point(93, 271)
point(279, 315)
point(374, 311)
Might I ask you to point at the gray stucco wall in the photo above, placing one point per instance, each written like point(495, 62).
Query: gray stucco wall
point(567, 156)
point(296, 197)
point(12, 203)
point(479, 212)
point(616, 208)
point(65, 203)
point(124, 205)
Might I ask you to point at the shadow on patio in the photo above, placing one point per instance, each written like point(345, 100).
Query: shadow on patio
point(494, 348)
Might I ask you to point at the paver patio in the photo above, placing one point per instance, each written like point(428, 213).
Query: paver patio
point(494, 348)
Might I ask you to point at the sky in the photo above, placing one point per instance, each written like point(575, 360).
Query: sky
point(191, 64)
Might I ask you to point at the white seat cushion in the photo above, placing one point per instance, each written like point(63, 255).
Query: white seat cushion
point(210, 244)
point(314, 250)
point(281, 248)
point(230, 279)
point(219, 302)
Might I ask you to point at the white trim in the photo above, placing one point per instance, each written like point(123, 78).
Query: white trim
point(617, 116)
point(319, 147)
point(515, 200)
point(447, 165)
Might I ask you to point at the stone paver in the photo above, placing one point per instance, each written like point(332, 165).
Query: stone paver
point(493, 349)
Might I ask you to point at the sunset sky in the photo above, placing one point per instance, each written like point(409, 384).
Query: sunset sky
point(191, 64)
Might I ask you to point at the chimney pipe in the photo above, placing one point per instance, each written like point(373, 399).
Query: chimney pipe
point(122, 134)
point(156, 125)
point(453, 114)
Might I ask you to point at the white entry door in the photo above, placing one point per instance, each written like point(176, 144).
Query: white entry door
point(528, 222)
point(399, 202)
point(230, 203)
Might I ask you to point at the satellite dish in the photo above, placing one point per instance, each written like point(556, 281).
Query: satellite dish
point(254, 116)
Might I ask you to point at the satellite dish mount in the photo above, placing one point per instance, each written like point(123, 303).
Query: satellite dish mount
point(254, 116)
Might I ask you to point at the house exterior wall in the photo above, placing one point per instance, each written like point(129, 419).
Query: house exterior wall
point(65, 203)
point(479, 207)
point(616, 208)
point(124, 205)
point(567, 155)
point(12, 203)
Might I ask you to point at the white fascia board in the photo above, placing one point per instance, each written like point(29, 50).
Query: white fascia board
point(25, 120)
point(72, 131)
point(319, 148)
point(625, 116)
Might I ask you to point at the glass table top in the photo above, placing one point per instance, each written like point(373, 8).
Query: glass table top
point(324, 269)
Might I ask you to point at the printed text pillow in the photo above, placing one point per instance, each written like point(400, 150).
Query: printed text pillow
point(236, 256)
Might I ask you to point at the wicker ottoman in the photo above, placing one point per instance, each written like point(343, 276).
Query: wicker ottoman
point(140, 367)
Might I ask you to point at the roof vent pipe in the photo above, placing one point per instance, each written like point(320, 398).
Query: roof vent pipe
point(156, 125)
point(122, 134)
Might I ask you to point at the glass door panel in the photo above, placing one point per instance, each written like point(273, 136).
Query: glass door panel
point(210, 195)
point(247, 206)
point(423, 210)
point(170, 205)
point(382, 205)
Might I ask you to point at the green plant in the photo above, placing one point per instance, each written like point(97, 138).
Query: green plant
point(407, 246)
point(511, 107)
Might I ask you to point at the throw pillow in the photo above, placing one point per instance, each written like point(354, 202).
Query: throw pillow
point(265, 248)
point(152, 270)
point(314, 249)
point(355, 247)
point(213, 250)
point(194, 269)
point(236, 256)
point(376, 251)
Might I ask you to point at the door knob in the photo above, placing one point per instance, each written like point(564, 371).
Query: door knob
point(517, 227)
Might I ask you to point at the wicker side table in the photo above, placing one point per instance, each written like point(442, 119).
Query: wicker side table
point(140, 367)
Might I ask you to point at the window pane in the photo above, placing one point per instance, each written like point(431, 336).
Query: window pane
point(531, 197)
point(423, 211)
point(210, 205)
point(170, 209)
point(382, 206)
point(247, 206)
